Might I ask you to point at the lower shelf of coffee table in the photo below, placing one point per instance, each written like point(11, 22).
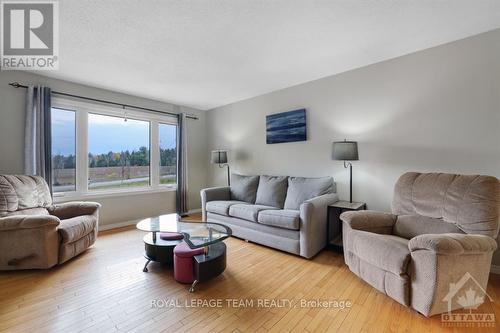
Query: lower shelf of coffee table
point(207, 267)
point(160, 251)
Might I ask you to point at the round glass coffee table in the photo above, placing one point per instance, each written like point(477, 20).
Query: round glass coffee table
point(206, 235)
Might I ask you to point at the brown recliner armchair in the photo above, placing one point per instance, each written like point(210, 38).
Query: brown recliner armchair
point(440, 234)
point(34, 233)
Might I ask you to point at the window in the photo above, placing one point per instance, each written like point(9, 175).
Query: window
point(63, 150)
point(168, 154)
point(118, 152)
point(100, 150)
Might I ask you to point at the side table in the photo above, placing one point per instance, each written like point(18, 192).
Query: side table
point(334, 224)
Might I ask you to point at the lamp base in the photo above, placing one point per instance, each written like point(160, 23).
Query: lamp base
point(350, 182)
point(349, 165)
point(228, 173)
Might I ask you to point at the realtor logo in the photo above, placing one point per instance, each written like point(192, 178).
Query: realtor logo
point(468, 294)
point(30, 31)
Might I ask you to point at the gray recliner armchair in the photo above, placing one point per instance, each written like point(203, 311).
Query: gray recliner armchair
point(441, 232)
point(34, 233)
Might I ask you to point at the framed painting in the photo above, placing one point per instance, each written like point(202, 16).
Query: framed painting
point(286, 127)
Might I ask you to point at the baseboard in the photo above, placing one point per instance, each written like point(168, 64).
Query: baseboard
point(133, 222)
point(103, 227)
point(495, 269)
point(194, 211)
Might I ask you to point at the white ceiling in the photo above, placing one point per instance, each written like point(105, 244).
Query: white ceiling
point(209, 53)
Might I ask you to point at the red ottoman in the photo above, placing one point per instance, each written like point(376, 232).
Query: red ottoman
point(183, 262)
point(171, 236)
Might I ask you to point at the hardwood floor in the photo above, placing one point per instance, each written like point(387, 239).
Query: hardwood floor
point(105, 290)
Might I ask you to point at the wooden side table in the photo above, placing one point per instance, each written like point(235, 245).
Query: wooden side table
point(334, 224)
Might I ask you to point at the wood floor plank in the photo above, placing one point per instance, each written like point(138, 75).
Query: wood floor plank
point(104, 290)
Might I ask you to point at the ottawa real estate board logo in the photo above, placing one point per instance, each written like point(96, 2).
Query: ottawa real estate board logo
point(467, 294)
point(30, 35)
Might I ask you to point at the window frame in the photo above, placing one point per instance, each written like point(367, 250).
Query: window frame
point(159, 152)
point(76, 147)
point(82, 110)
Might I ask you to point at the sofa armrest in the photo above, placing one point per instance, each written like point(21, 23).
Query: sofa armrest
point(313, 218)
point(212, 194)
point(27, 222)
point(453, 244)
point(369, 220)
point(69, 210)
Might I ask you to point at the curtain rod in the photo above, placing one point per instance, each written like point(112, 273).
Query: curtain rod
point(18, 85)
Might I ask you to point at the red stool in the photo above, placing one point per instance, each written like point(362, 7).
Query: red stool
point(183, 262)
point(161, 250)
point(171, 236)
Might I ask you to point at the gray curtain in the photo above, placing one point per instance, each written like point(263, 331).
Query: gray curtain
point(182, 181)
point(37, 135)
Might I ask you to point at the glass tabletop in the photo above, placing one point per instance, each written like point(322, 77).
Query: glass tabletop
point(196, 234)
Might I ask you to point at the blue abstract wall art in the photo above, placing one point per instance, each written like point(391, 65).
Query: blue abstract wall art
point(286, 126)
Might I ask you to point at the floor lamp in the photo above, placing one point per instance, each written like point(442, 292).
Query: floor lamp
point(346, 151)
point(220, 157)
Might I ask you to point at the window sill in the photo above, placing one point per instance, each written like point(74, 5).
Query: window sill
point(109, 194)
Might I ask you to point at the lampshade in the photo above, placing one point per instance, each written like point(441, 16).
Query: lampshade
point(345, 150)
point(219, 156)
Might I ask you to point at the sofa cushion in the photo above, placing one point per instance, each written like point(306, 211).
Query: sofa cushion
point(288, 219)
point(244, 188)
point(279, 238)
point(301, 189)
point(75, 228)
point(272, 191)
point(247, 212)
point(221, 207)
point(409, 226)
point(257, 228)
point(387, 252)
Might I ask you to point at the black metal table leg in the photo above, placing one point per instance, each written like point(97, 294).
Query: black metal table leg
point(145, 269)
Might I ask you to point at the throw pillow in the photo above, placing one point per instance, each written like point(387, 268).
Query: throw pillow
point(301, 189)
point(244, 188)
point(272, 191)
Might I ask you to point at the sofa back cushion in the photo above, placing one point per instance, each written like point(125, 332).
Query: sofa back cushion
point(409, 226)
point(470, 202)
point(244, 188)
point(301, 189)
point(272, 191)
point(23, 192)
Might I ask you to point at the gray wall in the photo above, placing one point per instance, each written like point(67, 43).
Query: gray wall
point(435, 110)
point(115, 209)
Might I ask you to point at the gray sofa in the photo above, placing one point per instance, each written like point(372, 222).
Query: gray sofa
point(441, 233)
point(286, 213)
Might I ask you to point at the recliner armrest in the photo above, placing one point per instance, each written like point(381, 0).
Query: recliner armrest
point(453, 244)
point(439, 261)
point(369, 220)
point(69, 210)
point(27, 222)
